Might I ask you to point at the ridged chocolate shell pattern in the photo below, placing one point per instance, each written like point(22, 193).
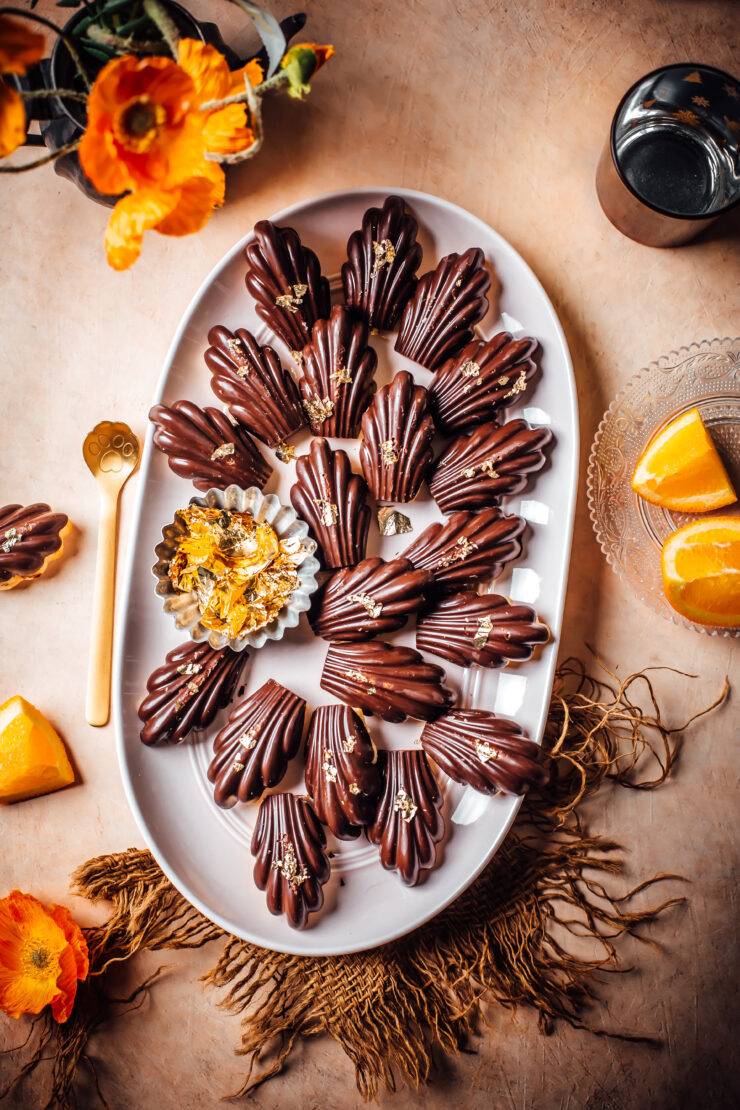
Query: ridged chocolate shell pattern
point(252, 751)
point(486, 629)
point(291, 865)
point(252, 381)
point(492, 462)
point(338, 380)
point(205, 447)
point(392, 682)
point(467, 548)
point(468, 389)
point(371, 599)
point(484, 751)
point(187, 691)
point(409, 822)
point(285, 280)
point(379, 275)
point(448, 303)
point(333, 502)
point(396, 449)
point(29, 535)
point(342, 772)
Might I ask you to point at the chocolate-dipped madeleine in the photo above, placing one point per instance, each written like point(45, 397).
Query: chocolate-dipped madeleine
point(187, 691)
point(258, 390)
point(373, 598)
point(253, 749)
point(489, 753)
point(396, 449)
point(285, 280)
point(447, 304)
point(333, 502)
point(338, 375)
point(494, 461)
point(379, 275)
point(486, 629)
point(342, 772)
point(291, 864)
point(30, 537)
point(471, 387)
point(409, 823)
point(206, 447)
point(467, 548)
point(392, 682)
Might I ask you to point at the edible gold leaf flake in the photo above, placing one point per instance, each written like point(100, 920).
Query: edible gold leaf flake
point(403, 804)
point(384, 252)
point(372, 607)
point(193, 687)
point(484, 750)
point(486, 468)
point(288, 865)
point(297, 357)
point(519, 385)
point(328, 765)
point(285, 451)
point(12, 536)
point(236, 348)
point(342, 376)
point(388, 452)
point(483, 631)
point(393, 523)
point(189, 668)
point(319, 409)
point(328, 512)
point(292, 299)
point(354, 788)
point(469, 473)
point(238, 766)
point(223, 451)
point(249, 739)
point(349, 743)
point(471, 371)
point(462, 549)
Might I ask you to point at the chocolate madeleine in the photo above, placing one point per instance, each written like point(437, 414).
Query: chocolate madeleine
point(484, 751)
point(467, 548)
point(449, 301)
point(392, 682)
point(396, 449)
point(30, 536)
point(379, 275)
point(285, 280)
point(370, 599)
point(470, 388)
point(187, 691)
point(333, 502)
point(409, 822)
point(486, 629)
point(258, 390)
point(291, 864)
point(492, 462)
point(338, 375)
point(206, 447)
point(342, 773)
point(252, 751)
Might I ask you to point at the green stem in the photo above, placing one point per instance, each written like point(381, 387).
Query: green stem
point(118, 42)
point(160, 18)
point(42, 161)
point(39, 94)
point(54, 27)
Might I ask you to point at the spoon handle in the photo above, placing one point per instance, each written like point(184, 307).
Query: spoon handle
point(101, 639)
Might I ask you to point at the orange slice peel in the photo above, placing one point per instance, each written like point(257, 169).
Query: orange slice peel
point(701, 571)
point(680, 469)
point(33, 759)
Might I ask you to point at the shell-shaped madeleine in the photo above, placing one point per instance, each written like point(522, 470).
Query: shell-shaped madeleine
point(285, 279)
point(486, 629)
point(409, 823)
point(468, 389)
point(338, 375)
point(396, 449)
point(333, 502)
point(448, 303)
point(30, 536)
point(379, 275)
point(291, 865)
point(187, 691)
point(392, 682)
point(492, 462)
point(251, 380)
point(484, 751)
point(253, 749)
point(373, 598)
point(342, 772)
point(206, 447)
point(467, 548)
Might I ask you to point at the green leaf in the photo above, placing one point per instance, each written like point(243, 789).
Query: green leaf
point(269, 31)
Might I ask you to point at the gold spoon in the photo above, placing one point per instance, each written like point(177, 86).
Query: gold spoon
point(112, 452)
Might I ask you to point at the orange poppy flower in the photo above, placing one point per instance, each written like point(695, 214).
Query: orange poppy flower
point(19, 48)
point(301, 62)
point(43, 954)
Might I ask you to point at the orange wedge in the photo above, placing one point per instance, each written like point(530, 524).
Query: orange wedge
point(680, 469)
point(701, 571)
point(33, 759)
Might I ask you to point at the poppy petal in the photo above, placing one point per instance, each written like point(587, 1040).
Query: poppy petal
point(12, 120)
point(20, 47)
point(133, 215)
point(198, 197)
point(75, 938)
point(226, 131)
point(207, 68)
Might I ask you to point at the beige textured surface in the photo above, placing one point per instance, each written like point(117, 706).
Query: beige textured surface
point(501, 107)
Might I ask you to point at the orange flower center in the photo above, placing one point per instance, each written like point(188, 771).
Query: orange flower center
point(138, 124)
point(36, 959)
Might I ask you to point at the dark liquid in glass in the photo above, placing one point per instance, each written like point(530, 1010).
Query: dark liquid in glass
point(676, 170)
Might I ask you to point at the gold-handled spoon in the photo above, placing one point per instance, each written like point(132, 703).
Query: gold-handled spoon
point(112, 452)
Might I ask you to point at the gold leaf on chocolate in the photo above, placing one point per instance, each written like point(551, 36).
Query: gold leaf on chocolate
point(252, 751)
point(392, 682)
point(30, 536)
point(338, 375)
point(467, 548)
point(333, 502)
point(393, 523)
point(379, 275)
point(408, 824)
point(486, 629)
point(471, 387)
point(441, 316)
point(291, 865)
point(489, 753)
point(396, 449)
point(342, 773)
point(370, 599)
point(205, 447)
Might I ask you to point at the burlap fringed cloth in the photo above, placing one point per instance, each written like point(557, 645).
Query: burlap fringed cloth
point(509, 939)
